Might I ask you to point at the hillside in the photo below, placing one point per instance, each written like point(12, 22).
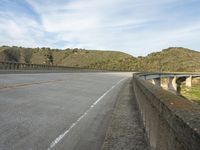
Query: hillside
point(168, 60)
point(171, 59)
point(110, 60)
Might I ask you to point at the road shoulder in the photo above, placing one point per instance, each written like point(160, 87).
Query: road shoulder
point(125, 131)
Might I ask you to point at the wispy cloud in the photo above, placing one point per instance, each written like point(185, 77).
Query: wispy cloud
point(134, 26)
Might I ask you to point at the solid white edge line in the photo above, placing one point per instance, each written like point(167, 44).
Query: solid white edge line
point(61, 136)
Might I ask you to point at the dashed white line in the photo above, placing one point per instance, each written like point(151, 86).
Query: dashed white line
point(61, 136)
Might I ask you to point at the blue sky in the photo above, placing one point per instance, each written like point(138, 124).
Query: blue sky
point(137, 27)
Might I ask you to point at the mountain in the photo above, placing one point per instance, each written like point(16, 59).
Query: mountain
point(174, 59)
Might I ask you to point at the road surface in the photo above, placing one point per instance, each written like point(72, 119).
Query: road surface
point(57, 110)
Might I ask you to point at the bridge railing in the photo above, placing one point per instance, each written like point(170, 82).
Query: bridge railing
point(14, 66)
point(25, 66)
point(171, 122)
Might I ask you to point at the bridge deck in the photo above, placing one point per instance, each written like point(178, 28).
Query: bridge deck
point(56, 111)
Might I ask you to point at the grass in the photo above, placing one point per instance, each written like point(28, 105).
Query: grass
point(192, 94)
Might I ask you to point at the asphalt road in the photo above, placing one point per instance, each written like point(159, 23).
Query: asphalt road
point(61, 111)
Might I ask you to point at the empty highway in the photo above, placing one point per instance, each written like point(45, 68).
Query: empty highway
point(57, 110)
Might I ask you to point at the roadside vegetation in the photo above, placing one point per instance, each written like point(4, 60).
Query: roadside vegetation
point(193, 93)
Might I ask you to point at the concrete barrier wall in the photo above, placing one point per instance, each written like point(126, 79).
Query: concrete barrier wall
point(11, 67)
point(171, 122)
point(23, 66)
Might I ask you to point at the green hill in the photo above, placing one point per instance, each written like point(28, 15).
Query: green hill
point(109, 60)
point(172, 59)
point(168, 60)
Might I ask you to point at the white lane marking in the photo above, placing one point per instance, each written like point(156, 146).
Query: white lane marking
point(61, 136)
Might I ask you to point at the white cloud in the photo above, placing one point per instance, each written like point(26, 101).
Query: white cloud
point(135, 26)
point(92, 23)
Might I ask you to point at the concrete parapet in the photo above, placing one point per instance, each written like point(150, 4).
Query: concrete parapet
point(171, 122)
point(12, 67)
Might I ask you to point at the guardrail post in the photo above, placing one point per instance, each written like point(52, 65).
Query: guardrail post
point(13, 66)
point(24, 66)
point(10, 66)
point(17, 66)
point(1, 65)
point(5, 65)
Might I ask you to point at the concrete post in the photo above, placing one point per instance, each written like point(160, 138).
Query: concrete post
point(156, 81)
point(23, 66)
point(9, 66)
point(17, 66)
point(14, 66)
point(5, 65)
point(189, 81)
point(172, 86)
point(1, 65)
